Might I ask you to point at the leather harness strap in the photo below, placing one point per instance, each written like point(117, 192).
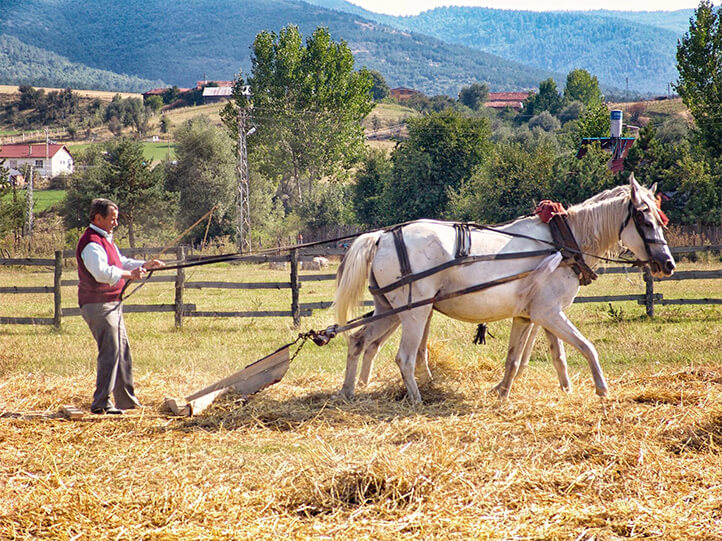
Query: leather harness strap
point(564, 239)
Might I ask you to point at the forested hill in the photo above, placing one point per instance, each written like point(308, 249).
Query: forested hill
point(24, 64)
point(620, 48)
point(183, 42)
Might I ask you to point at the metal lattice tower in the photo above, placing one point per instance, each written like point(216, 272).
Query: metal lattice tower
point(243, 226)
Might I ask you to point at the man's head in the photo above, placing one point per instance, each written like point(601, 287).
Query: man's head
point(104, 214)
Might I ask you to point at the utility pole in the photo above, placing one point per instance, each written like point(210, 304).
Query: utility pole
point(243, 227)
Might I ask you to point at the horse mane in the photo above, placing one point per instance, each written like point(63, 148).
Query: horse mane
point(596, 221)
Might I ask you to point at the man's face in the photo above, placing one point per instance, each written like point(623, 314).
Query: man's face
point(107, 223)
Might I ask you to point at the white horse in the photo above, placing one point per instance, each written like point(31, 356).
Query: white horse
point(625, 216)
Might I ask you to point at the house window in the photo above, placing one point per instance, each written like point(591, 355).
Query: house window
point(38, 163)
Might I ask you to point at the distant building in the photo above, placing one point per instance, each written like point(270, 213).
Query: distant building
point(213, 94)
point(47, 160)
point(502, 100)
point(402, 93)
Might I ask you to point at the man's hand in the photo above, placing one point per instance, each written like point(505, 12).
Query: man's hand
point(137, 274)
point(153, 264)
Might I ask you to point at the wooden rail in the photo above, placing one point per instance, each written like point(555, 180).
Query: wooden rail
point(297, 309)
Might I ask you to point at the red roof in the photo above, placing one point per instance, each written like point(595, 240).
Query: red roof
point(507, 96)
point(30, 151)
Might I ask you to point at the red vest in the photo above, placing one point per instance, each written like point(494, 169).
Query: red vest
point(89, 289)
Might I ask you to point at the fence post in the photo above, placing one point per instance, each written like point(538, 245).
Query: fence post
point(58, 311)
point(179, 283)
point(295, 309)
point(649, 293)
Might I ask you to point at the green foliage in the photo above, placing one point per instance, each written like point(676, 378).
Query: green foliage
point(608, 43)
point(371, 179)
point(120, 173)
point(203, 176)
point(106, 36)
point(700, 75)
point(308, 104)
point(380, 88)
point(582, 86)
point(594, 122)
point(441, 152)
point(23, 64)
point(507, 185)
point(547, 99)
point(474, 96)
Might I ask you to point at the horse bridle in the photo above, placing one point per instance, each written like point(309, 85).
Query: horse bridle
point(637, 215)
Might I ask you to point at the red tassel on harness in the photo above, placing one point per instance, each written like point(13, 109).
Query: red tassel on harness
point(547, 209)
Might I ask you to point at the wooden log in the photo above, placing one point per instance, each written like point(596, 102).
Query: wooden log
point(179, 282)
point(71, 412)
point(262, 313)
point(26, 320)
point(238, 285)
point(27, 262)
point(690, 301)
point(295, 309)
point(137, 308)
point(57, 295)
point(26, 289)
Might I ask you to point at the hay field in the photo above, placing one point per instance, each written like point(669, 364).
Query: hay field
point(297, 462)
point(100, 94)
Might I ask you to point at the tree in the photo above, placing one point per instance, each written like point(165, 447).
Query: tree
point(548, 99)
point(204, 175)
point(594, 122)
point(372, 177)
point(442, 151)
point(581, 86)
point(307, 106)
point(123, 175)
point(699, 62)
point(506, 185)
point(546, 121)
point(474, 96)
point(380, 89)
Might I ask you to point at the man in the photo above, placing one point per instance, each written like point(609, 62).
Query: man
point(102, 273)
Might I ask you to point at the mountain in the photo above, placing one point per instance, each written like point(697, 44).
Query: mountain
point(182, 42)
point(634, 50)
point(24, 64)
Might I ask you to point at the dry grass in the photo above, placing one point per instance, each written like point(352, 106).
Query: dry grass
point(295, 461)
point(100, 94)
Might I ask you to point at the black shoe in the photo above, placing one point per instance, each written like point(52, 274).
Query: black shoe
point(107, 411)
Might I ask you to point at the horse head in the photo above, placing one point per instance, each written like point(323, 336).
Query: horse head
point(642, 231)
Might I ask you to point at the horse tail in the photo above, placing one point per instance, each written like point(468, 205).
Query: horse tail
point(538, 277)
point(353, 273)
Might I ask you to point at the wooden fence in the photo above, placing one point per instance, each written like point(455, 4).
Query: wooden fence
point(297, 308)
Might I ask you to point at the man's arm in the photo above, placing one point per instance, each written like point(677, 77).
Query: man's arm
point(96, 261)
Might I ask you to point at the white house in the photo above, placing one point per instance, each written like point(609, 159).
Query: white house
point(47, 159)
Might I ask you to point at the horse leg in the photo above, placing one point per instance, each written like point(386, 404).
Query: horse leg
point(559, 358)
point(355, 344)
point(422, 356)
point(374, 340)
point(560, 326)
point(528, 348)
point(413, 324)
point(520, 330)
point(367, 340)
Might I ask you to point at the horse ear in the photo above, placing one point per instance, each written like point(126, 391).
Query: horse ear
point(653, 188)
point(634, 190)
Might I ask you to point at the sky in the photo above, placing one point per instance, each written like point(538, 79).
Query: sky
point(413, 7)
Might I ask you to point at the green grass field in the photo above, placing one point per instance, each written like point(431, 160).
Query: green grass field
point(296, 461)
point(43, 199)
point(158, 151)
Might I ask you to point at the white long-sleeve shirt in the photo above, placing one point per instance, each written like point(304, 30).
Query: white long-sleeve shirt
point(96, 260)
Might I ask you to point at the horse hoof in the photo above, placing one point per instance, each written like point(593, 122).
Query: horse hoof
point(501, 392)
point(602, 393)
